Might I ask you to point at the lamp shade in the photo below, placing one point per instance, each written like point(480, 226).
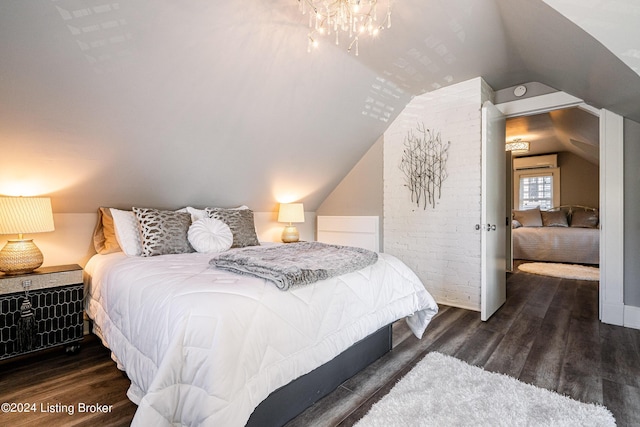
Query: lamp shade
point(20, 215)
point(291, 212)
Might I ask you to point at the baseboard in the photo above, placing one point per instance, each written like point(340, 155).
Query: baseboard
point(632, 317)
point(458, 304)
point(612, 314)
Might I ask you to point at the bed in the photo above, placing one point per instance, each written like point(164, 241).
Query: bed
point(566, 234)
point(206, 346)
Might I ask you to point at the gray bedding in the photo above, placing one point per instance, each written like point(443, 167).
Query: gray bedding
point(295, 263)
point(557, 244)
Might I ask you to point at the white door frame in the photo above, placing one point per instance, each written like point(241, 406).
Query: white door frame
point(611, 193)
point(493, 291)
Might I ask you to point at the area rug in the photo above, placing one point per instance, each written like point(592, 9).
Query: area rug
point(443, 391)
point(565, 271)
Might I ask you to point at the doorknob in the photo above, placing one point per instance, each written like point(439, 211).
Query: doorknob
point(487, 227)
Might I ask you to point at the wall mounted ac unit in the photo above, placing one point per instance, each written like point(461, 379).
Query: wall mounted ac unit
point(536, 162)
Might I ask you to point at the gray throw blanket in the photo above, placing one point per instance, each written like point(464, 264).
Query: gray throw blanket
point(295, 263)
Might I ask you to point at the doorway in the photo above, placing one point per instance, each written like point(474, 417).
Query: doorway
point(556, 170)
point(611, 176)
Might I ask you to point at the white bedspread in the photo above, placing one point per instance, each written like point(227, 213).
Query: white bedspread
point(204, 347)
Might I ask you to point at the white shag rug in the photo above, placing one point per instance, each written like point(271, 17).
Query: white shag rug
point(565, 271)
point(443, 391)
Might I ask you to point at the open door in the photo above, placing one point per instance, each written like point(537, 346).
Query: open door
point(493, 224)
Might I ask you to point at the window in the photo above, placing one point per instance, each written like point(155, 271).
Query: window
point(537, 187)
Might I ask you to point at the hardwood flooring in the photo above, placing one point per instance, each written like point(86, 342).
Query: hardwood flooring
point(546, 334)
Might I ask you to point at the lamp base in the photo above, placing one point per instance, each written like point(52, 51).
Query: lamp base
point(20, 257)
point(290, 234)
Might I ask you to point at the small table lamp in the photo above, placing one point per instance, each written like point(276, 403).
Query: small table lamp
point(19, 215)
point(291, 212)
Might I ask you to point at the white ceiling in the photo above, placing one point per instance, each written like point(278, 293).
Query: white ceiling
point(164, 103)
point(616, 24)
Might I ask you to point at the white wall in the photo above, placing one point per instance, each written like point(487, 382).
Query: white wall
point(440, 244)
point(360, 192)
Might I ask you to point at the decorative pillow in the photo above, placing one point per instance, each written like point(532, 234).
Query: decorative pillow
point(240, 221)
point(529, 217)
point(584, 219)
point(554, 219)
point(196, 214)
point(208, 235)
point(515, 224)
point(104, 235)
point(163, 232)
point(127, 231)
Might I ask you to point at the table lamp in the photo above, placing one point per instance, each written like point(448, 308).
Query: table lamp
point(22, 215)
point(291, 212)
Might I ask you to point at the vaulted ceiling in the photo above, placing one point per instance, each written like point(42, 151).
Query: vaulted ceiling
point(168, 103)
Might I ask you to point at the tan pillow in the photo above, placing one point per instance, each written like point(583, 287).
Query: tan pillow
point(104, 235)
point(584, 219)
point(529, 217)
point(554, 219)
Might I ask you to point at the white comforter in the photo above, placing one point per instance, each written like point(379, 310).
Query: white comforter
point(205, 347)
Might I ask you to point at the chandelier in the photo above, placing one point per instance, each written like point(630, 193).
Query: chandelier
point(517, 145)
point(349, 17)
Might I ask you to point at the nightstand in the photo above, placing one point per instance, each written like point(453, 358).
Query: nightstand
point(56, 295)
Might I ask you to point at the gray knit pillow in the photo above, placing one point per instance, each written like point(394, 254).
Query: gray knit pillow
point(240, 221)
point(163, 232)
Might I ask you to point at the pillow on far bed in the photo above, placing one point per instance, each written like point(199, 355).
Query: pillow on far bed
point(529, 217)
point(554, 219)
point(240, 221)
point(584, 219)
point(209, 235)
point(163, 232)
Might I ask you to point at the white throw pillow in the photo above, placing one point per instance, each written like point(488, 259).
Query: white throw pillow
point(209, 235)
point(198, 214)
point(127, 231)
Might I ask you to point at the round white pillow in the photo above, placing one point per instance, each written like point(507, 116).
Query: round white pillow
point(209, 235)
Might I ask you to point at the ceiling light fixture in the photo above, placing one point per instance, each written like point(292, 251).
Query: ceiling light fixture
point(517, 145)
point(352, 17)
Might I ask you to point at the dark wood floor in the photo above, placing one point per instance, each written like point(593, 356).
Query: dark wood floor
point(547, 334)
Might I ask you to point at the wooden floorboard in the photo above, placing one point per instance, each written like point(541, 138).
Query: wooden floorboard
point(547, 334)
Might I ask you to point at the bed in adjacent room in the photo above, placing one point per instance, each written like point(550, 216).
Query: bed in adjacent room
point(203, 345)
point(566, 234)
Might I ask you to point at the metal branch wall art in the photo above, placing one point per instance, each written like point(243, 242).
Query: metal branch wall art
point(424, 161)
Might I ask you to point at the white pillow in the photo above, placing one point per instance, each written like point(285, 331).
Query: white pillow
point(209, 235)
point(127, 231)
point(196, 214)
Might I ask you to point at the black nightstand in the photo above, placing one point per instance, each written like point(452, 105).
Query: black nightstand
point(56, 295)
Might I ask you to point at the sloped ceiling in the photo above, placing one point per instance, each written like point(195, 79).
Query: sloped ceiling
point(206, 102)
point(571, 129)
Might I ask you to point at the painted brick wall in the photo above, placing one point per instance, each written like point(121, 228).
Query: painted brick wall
point(440, 244)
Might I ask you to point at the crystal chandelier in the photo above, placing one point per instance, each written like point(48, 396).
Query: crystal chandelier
point(517, 145)
point(352, 17)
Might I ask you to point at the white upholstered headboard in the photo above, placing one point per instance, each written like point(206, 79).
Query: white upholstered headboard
point(361, 231)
